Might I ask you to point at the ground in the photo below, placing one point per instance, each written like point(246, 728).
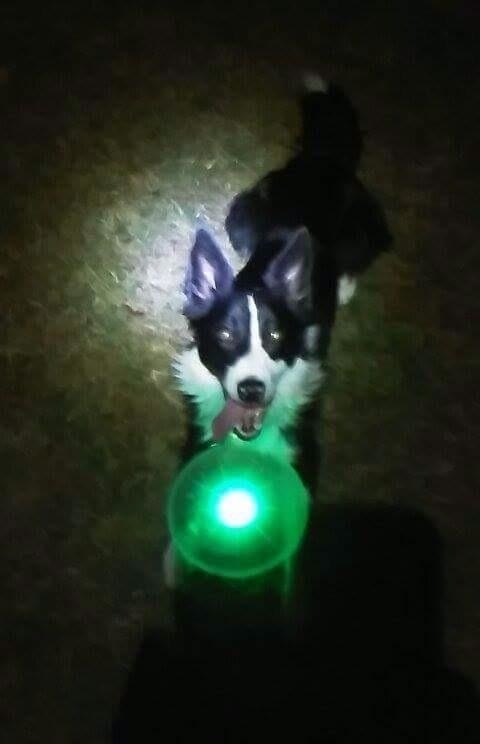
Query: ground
point(121, 127)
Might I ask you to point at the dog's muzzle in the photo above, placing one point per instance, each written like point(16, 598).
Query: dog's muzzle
point(245, 419)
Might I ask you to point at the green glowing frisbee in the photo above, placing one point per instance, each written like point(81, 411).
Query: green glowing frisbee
point(236, 512)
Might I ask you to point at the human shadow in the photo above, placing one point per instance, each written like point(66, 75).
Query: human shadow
point(363, 657)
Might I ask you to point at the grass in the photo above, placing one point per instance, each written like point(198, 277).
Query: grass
point(118, 132)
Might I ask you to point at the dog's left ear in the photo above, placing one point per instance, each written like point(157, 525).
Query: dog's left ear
point(289, 274)
point(209, 276)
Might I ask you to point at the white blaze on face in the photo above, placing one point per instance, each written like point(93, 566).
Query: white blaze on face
point(255, 363)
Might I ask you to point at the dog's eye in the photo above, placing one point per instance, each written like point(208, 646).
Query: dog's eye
point(275, 335)
point(225, 336)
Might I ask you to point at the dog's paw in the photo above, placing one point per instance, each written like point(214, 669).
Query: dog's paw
point(346, 289)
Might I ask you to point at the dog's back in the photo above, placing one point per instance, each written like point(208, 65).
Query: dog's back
point(318, 188)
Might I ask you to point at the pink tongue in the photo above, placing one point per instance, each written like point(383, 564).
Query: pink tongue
point(233, 414)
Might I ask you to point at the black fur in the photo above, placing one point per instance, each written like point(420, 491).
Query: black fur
point(319, 189)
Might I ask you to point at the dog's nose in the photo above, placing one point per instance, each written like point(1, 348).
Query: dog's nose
point(251, 390)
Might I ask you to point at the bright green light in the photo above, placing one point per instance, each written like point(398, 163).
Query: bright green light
point(236, 508)
point(237, 512)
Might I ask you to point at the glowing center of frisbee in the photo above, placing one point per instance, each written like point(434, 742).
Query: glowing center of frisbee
point(236, 508)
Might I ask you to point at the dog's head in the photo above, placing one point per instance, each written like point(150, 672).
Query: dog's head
point(250, 328)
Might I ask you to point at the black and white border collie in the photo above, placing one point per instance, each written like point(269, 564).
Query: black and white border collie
point(306, 231)
point(254, 362)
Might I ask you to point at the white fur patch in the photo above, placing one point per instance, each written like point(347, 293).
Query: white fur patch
point(346, 289)
point(255, 363)
point(195, 381)
point(295, 389)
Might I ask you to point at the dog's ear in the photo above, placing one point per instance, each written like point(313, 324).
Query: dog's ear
point(208, 276)
point(289, 274)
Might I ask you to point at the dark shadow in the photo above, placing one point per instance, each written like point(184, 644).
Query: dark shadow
point(308, 437)
point(365, 661)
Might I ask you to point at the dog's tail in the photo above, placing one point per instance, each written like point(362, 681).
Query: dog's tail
point(330, 127)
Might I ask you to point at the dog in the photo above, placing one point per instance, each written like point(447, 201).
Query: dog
point(261, 337)
point(307, 231)
point(254, 363)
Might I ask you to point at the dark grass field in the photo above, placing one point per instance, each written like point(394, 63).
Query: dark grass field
point(119, 127)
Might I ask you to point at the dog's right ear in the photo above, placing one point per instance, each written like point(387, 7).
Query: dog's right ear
point(209, 276)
